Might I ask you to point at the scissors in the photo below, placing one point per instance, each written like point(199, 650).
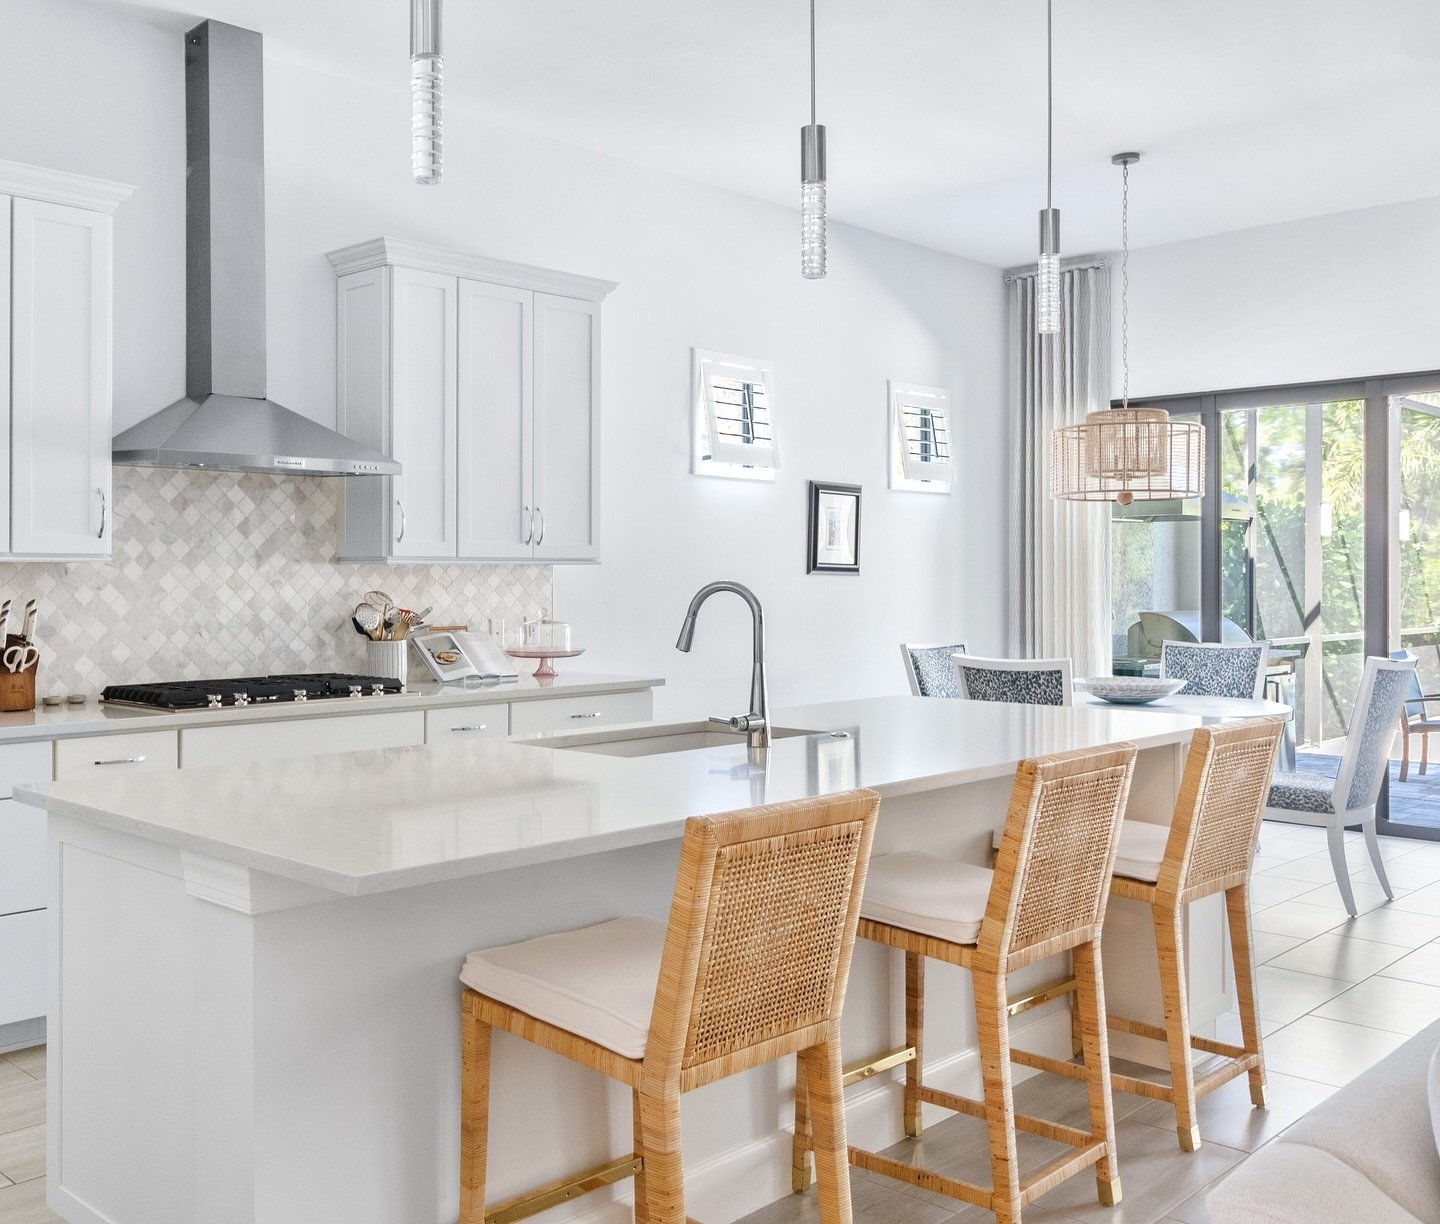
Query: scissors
point(20, 658)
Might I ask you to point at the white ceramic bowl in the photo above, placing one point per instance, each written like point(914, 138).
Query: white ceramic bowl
point(1129, 690)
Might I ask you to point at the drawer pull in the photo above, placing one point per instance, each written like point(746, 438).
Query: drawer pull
point(596, 714)
point(135, 760)
point(471, 727)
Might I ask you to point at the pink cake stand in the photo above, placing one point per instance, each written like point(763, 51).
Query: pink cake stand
point(545, 654)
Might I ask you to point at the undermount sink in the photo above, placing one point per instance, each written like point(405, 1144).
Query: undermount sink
point(660, 738)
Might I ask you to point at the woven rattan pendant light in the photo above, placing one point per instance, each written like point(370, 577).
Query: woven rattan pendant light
point(1127, 454)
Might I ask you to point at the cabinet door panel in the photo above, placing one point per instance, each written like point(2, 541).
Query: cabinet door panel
point(423, 330)
point(22, 952)
point(494, 411)
point(22, 857)
point(60, 361)
point(567, 428)
point(362, 405)
point(279, 741)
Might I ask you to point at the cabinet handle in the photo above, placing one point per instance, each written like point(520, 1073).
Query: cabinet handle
point(596, 714)
point(540, 539)
point(100, 535)
point(529, 523)
point(471, 727)
point(400, 506)
point(135, 760)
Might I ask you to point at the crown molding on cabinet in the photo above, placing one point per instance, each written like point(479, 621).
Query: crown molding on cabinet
point(62, 187)
point(423, 257)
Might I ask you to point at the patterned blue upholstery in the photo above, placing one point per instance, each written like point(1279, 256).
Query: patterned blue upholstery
point(934, 672)
point(1376, 735)
point(1301, 792)
point(1024, 687)
point(1212, 671)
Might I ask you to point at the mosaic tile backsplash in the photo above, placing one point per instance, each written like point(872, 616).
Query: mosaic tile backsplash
point(218, 573)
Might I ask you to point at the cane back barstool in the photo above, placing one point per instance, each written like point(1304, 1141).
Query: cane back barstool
point(751, 967)
point(1207, 848)
point(1046, 895)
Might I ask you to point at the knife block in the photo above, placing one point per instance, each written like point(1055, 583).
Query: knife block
point(17, 689)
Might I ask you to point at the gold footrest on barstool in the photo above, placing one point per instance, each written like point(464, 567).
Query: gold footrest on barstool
point(563, 1189)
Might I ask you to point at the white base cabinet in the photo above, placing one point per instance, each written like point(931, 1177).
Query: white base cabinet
point(482, 379)
point(56, 258)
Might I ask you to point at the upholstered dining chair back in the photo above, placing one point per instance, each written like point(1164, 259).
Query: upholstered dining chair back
point(1025, 681)
point(1218, 810)
point(929, 668)
point(762, 925)
point(1212, 669)
point(1373, 724)
point(1052, 872)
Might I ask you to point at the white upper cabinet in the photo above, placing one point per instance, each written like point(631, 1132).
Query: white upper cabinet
point(55, 348)
point(482, 379)
point(567, 429)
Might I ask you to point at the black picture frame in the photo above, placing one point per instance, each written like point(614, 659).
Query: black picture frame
point(833, 543)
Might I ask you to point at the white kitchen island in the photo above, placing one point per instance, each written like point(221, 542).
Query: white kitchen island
point(254, 998)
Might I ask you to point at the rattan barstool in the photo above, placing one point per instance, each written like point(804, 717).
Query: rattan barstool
point(1046, 895)
point(1207, 848)
point(751, 966)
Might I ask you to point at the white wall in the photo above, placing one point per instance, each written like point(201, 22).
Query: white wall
point(1342, 296)
point(696, 266)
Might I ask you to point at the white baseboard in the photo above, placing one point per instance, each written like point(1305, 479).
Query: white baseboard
point(735, 1183)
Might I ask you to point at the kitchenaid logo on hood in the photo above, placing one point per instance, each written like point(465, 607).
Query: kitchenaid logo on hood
point(286, 462)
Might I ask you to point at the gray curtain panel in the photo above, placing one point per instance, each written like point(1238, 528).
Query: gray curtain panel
point(1060, 551)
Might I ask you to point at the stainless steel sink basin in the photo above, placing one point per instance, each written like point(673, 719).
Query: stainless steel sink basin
point(653, 739)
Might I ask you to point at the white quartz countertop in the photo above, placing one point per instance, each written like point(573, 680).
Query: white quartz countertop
point(368, 822)
point(99, 718)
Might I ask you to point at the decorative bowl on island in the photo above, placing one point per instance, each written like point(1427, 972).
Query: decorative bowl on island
point(1130, 690)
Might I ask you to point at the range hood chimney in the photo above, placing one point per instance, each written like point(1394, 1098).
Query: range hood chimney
point(225, 420)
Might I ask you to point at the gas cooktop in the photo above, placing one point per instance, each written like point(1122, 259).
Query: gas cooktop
point(248, 690)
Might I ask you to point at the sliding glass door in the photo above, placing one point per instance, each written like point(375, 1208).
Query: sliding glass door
point(1320, 533)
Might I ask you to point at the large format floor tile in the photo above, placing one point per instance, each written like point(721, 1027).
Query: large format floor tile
point(1391, 925)
point(1329, 1051)
point(1422, 965)
point(1285, 995)
point(1393, 1004)
point(1334, 956)
point(25, 1204)
point(1227, 1117)
point(22, 1153)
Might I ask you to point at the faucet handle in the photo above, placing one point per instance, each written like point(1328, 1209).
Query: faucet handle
point(741, 722)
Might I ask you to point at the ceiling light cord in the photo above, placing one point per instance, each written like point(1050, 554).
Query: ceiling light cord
point(812, 63)
point(1125, 284)
point(1049, 99)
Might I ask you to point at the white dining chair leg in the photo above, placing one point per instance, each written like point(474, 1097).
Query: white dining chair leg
point(1336, 832)
point(1372, 843)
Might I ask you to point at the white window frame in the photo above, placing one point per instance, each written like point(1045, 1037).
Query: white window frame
point(712, 457)
point(908, 473)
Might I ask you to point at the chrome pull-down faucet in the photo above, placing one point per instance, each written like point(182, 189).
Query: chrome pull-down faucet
point(755, 724)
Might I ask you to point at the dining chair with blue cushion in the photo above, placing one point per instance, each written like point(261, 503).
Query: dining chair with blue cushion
point(1348, 799)
point(1024, 681)
point(1211, 669)
point(929, 668)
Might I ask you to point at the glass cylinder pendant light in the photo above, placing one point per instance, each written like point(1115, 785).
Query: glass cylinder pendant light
point(426, 68)
point(1127, 454)
point(1047, 277)
point(812, 182)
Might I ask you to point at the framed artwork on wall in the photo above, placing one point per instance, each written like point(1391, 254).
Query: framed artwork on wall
point(833, 528)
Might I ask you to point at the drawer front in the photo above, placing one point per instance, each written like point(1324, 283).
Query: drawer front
point(275, 741)
point(132, 752)
point(22, 763)
point(462, 722)
point(22, 952)
point(22, 857)
point(577, 713)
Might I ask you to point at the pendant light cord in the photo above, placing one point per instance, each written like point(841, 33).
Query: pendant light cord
point(812, 63)
point(1049, 97)
point(1125, 284)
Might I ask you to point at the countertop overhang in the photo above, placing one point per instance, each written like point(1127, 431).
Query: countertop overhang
point(368, 822)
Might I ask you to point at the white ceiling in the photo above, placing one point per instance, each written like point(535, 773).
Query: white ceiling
point(1247, 111)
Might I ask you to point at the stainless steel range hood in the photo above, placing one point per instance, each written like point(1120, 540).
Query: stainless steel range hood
point(225, 420)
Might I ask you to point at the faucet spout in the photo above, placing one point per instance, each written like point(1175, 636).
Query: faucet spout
point(757, 722)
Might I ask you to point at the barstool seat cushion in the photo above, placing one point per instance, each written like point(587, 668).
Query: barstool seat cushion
point(1141, 850)
point(597, 982)
point(934, 896)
